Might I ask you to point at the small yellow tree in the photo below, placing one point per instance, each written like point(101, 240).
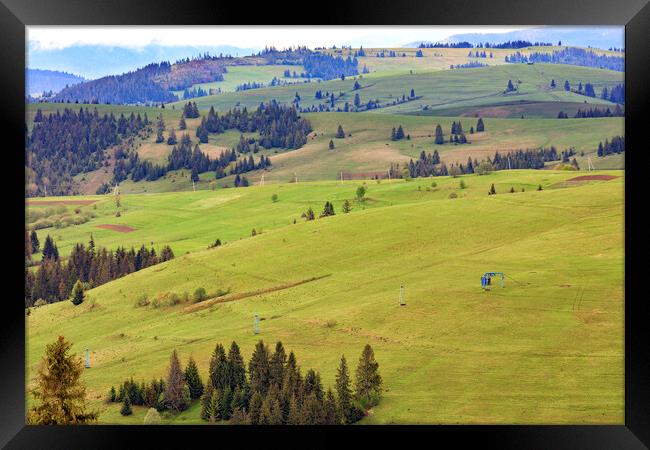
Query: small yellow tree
point(59, 392)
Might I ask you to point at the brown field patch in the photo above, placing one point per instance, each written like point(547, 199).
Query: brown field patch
point(118, 228)
point(593, 177)
point(61, 202)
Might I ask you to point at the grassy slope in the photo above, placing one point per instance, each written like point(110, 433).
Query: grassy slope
point(547, 348)
point(439, 90)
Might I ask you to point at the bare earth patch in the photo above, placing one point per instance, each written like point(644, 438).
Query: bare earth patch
point(593, 177)
point(61, 202)
point(118, 228)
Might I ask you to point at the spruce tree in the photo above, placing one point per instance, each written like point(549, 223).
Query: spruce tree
point(492, 190)
point(344, 391)
point(236, 369)
point(368, 380)
point(219, 370)
point(60, 397)
point(347, 206)
point(206, 401)
point(259, 369)
point(255, 407)
point(340, 134)
point(175, 384)
point(276, 365)
point(331, 145)
point(440, 138)
point(331, 414)
point(126, 407)
point(181, 124)
point(480, 126)
point(294, 416)
point(193, 379)
point(34, 242)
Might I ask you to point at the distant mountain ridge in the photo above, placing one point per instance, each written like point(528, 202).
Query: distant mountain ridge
point(38, 81)
point(96, 61)
point(600, 37)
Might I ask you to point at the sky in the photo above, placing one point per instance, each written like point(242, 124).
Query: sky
point(42, 38)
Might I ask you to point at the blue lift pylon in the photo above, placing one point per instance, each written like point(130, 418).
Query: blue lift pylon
point(486, 279)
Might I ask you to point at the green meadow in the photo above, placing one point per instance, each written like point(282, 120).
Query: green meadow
point(547, 348)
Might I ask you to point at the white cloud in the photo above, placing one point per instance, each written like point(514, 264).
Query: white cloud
point(53, 38)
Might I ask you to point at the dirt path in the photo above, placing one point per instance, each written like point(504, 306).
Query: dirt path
point(118, 228)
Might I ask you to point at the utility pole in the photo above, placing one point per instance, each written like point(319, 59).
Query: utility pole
point(590, 166)
point(262, 180)
point(388, 171)
point(341, 177)
point(87, 362)
point(402, 302)
point(193, 187)
point(256, 324)
point(508, 162)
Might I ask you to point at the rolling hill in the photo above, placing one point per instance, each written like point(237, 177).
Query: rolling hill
point(548, 348)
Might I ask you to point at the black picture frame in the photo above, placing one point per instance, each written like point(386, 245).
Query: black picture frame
point(634, 14)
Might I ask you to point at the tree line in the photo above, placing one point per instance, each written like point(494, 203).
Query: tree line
point(594, 112)
point(62, 145)
point(573, 56)
point(616, 145)
point(270, 391)
point(53, 280)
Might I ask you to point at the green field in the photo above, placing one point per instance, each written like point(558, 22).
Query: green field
point(438, 90)
point(546, 349)
point(238, 75)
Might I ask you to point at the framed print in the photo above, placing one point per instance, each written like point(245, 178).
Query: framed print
point(418, 217)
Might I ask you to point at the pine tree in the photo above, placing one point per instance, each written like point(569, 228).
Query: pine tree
point(331, 145)
point(236, 370)
point(112, 394)
point(255, 408)
point(399, 134)
point(340, 134)
point(357, 100)
point(206, 401)
point(539, 188)
point(175, 384)
point(126, 407)
point(331, 414)
point(294, 416)
point(510, 86)
point(59, 394)
point(343, 391)
point(440, 139)
point(276, 365)
point(77, 293)
point(181, 124)
point(193, 379)
point(171, 140)
point(492, 190)
point(34, 242)
point(219, 368)
point(567, 86)
point(480, 126)
point(368, 380)
point(412, 93)
point(259, 369)
point(347, 206)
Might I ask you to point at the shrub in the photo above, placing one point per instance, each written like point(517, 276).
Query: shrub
point(453, 195)
point(274, 198)
point(40, 302)
point(199, 295)
point(174, 299)
point(462, 184)
point(142, 300)
point(152, 417)
point(484, 168)
point(434, 184)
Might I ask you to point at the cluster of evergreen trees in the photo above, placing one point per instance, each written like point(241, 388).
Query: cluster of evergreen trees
point(53, 280)
point(594, 112)
point(389, 54)
point(428, 165)
point(573, 56)
point(469, 65)
point(279, 126)
point(465, 44)
point(616, 94)
point(270, 391)
point(63, 145)
point(478, 54)
point(190, 111)
point(194, 93)
point(138, 86)
point(616, 145)
point(249, 85)
point(328, 67)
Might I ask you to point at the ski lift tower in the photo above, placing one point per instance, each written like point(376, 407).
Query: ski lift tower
point(402, 301)
point(87, 362)
point(256, 324)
